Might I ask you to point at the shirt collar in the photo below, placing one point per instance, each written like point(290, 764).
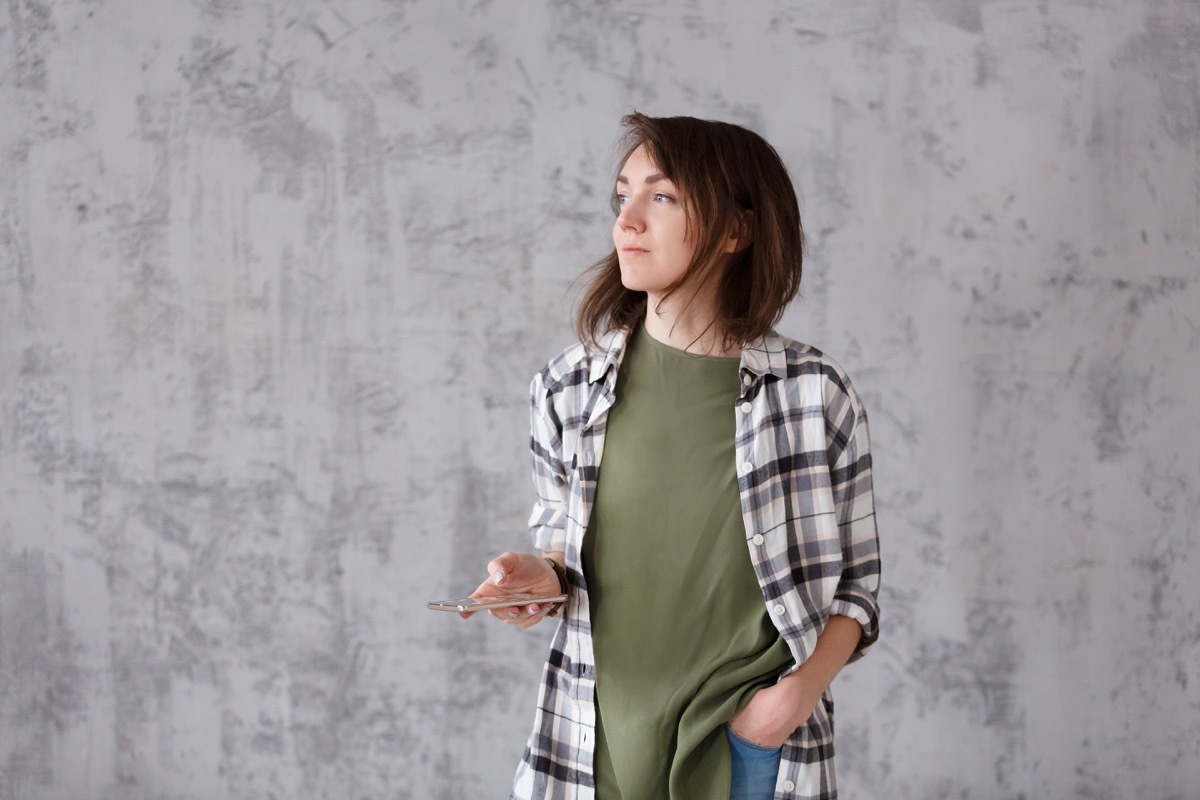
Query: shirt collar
point(766, 355)
point(613, 346)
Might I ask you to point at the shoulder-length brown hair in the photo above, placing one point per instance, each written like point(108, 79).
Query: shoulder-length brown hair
point(728, 177)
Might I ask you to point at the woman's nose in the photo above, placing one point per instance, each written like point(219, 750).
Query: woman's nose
point(630, 217)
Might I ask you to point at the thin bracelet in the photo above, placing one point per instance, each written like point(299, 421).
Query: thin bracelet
point(563, 585)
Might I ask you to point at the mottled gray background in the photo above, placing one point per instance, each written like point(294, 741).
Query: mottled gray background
point(274, 276)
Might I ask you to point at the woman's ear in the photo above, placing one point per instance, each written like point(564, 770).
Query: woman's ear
point(740, 233)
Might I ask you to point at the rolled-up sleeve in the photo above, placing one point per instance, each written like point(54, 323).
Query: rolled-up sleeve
point(857, 594)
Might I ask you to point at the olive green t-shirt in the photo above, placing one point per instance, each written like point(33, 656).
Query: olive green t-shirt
point(679, 626)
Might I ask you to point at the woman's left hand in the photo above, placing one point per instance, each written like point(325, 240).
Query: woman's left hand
point(774, 712)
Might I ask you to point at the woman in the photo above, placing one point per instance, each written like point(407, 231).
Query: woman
point(723, 565)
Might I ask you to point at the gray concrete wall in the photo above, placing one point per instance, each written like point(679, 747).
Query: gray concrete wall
point(274, 277)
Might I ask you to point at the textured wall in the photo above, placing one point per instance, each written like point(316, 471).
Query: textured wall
point(274, 275)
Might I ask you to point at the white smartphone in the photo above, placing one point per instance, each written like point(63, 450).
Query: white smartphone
point(499, 601)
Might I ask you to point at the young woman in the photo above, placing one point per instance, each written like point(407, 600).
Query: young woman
point(723, 564)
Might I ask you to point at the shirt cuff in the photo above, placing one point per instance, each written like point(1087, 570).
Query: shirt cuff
point(868, 621)
point(548, 539)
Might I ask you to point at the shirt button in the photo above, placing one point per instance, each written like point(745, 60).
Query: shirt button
point(746, 467)
point(590, 459)
point(789, 786)
point(746, 408)
point(747, 379)
point(780, 610)
point(757, 538)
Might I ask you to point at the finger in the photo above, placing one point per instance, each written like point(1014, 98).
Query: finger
point(529, 620)
point(501, 567)
point(525, 616)
point(509, 614)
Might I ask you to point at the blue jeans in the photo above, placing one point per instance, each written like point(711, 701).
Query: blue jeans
point(754, 768)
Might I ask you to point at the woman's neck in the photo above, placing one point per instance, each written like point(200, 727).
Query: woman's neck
point(688, 326)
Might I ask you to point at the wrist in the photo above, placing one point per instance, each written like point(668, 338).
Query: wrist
point(802, 694)
point(564, 585)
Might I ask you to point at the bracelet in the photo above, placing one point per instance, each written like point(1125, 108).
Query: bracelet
point(563, 585)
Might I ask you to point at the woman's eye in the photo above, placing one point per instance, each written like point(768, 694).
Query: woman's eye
point(621, 198)
point(659, 197)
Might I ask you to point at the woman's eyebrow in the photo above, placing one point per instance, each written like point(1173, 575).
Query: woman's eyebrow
point(653, 177)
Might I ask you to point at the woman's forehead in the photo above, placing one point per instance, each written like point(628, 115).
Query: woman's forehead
point(650, 165)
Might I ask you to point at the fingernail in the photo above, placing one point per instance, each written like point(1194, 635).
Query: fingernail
point(498, 576)
point(533, 609)
point(512, 613)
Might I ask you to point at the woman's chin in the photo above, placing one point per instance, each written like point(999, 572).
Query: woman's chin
point(634, 282)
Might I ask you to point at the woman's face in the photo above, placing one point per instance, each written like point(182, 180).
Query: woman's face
point(650, 232)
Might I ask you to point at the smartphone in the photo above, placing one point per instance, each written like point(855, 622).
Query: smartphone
point(499, 601)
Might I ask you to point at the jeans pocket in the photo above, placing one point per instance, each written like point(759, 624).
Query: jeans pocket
point(753, 768)
point(743, 744)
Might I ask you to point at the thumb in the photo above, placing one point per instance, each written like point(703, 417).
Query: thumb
point(500, 567)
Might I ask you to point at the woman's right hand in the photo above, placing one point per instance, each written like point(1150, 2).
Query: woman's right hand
point(518, 573)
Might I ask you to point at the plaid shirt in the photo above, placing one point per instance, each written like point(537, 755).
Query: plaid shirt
point(804, 476)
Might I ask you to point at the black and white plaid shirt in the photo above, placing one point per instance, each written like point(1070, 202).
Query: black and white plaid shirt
point(804, 475)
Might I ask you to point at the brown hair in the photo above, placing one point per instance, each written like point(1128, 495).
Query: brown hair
point(722, 171)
